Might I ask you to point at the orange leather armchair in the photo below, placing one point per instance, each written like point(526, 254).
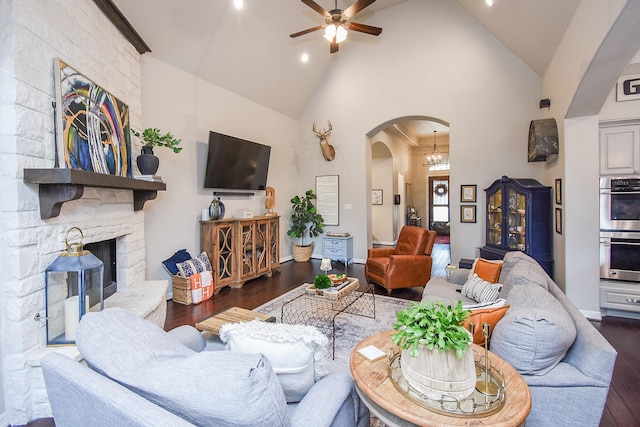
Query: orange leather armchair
point(406, 265)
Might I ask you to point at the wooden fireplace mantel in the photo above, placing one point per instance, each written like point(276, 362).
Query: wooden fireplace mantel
point(57, 186)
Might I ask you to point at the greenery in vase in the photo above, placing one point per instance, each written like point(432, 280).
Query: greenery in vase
point(321, 281)
point(434, 325)
point(153, 138)
point(305, 219)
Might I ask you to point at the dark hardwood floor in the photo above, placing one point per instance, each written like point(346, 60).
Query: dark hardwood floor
point(622, 408)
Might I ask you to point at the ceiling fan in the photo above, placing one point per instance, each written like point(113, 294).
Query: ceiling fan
point(336, 22)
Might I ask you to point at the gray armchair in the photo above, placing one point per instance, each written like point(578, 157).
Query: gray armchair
point(140, 375)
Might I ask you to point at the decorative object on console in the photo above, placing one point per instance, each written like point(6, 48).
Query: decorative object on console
point(270, 201)
point(87, 117)
point(73, 284)
point(328, 152)
point(305, 220)
point(216, 209)
point(436, 359)
point(147, 162)
point(336, 22)
point(543, 139)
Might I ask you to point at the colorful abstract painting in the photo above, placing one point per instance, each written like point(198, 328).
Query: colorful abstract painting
point(93, 125)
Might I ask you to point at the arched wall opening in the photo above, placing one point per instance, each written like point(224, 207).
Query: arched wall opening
point(397, 147)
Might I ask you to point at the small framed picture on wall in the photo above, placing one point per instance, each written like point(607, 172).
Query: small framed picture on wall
point(468, 193)
point(558, 190)
point(559, 220)
point(376, 197)
point(468, 213)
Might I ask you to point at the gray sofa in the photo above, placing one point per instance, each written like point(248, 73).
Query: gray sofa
point(140, 375)
point(565, 361)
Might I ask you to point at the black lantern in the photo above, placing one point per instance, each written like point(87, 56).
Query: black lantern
point(73, 286)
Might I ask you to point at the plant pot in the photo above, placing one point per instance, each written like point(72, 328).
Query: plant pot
point(147, 163)
point(436, 373)
point(302, 253)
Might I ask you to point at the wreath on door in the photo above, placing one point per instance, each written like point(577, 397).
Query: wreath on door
point(441, 189)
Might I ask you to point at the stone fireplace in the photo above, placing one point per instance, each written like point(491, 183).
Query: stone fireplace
point(33, 34)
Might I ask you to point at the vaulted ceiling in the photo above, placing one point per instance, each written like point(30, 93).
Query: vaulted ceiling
point(249, 51)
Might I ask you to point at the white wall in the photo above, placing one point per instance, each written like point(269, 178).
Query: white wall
point(576, 250)
point(450, 68)
point(382, 215)
point(189, 108)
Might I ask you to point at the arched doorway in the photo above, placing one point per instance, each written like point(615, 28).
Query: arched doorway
point(399, 167)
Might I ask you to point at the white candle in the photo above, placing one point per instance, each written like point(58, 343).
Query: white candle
point(72, 316)
point(205, 214)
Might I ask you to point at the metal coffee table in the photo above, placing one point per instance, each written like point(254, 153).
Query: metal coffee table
point(321, 311)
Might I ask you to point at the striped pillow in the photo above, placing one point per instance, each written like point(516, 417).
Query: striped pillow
point(480, 290)
point(194, 266)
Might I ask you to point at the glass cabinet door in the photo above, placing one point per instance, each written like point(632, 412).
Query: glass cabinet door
point(494, 218)
point(517, 220)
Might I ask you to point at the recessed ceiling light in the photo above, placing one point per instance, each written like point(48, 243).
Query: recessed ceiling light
point(238, 4)
point(304, 57)
point(489, 2)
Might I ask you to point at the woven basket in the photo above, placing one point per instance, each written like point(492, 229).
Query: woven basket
point(301, 253)
point(182, 290)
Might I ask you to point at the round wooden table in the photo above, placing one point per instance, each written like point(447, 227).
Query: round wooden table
point(377, 391)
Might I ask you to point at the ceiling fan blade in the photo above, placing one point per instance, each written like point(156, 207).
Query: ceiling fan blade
point(367, 29)
point(356, 7)
point(334, 47)
point(315, 6)
point(307, 31)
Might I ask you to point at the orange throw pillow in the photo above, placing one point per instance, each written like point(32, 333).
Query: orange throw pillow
point(489, 315)
point(487, 270)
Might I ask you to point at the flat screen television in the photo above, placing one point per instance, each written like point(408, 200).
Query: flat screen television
point(236, 164)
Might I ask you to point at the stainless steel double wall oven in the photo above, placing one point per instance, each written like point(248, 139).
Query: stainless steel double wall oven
point(620, 228)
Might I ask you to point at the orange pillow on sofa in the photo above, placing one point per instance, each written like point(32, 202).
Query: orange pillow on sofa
point(489, 315)
point(487, 270)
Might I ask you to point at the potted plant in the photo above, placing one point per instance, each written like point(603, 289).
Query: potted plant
point(435, 359)
point(152, 137)
point(305, 221)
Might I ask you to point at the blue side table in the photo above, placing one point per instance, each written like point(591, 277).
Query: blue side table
point(338, 249)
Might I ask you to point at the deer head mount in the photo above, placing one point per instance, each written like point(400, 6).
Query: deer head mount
point(328, 151)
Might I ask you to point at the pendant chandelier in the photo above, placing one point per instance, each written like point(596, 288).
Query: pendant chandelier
point(434, 157)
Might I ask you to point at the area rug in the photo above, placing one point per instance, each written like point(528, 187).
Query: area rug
point(350, 328)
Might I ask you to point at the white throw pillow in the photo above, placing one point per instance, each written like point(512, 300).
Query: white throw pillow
point(296, 352)
point(480, 290)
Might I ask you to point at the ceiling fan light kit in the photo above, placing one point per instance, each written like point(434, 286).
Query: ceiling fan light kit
point(337, 22)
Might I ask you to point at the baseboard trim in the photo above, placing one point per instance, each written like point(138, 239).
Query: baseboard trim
point(592, 315)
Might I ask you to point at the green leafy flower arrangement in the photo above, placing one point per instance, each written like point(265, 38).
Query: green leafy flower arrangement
point(153, 138)
point(434, 325)
point(321, 281)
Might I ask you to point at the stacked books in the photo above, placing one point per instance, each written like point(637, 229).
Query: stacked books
point(150, 178)
point(336, 234)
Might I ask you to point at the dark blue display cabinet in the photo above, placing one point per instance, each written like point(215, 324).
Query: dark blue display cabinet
point(519, 218)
